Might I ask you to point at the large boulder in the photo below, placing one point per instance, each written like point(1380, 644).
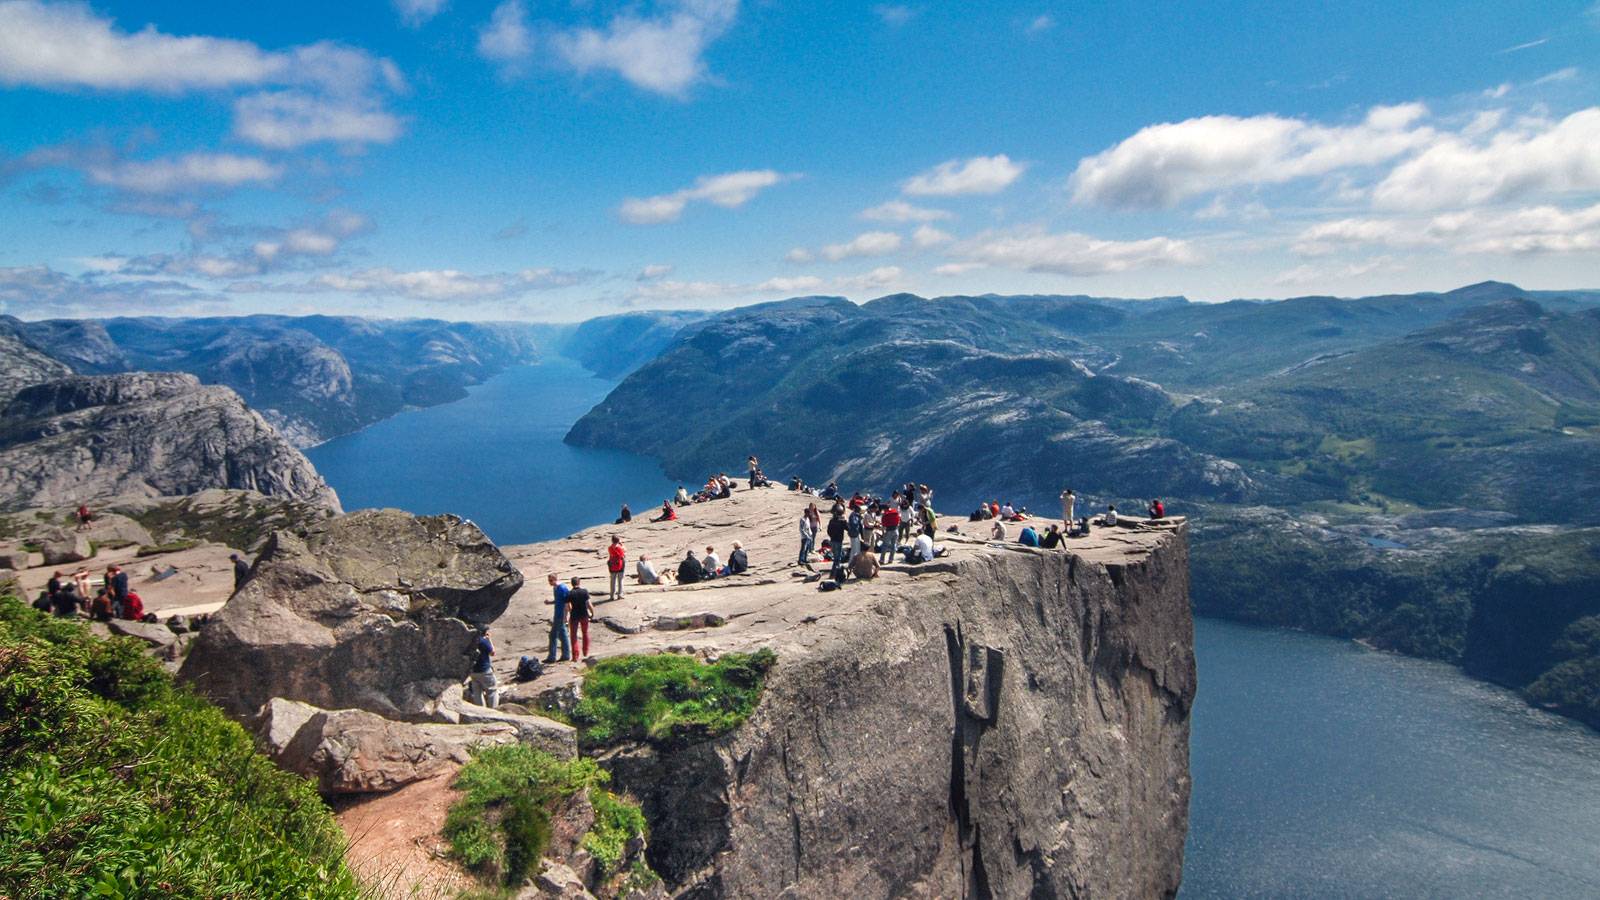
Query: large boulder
point(13, 558)
point(375, 610)
point(151, 633)
point(351, 751)
point(66, 548)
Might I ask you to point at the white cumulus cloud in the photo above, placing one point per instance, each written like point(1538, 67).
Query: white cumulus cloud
point(901, 211)
point(284, 120)
point(870, 243)
point(663, 54)
point(1522, 160)
point(978, 175)
point(729, 190)
point(415, 12)
point(506, 39)
point(175, 173)
point(1162, 165)
point(1071, 253)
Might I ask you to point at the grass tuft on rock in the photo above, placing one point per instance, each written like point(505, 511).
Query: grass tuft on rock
point(501, 826)
point(669, 699)
point(116, 782)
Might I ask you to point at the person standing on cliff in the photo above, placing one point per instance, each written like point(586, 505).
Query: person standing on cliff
point(579, 611)
point(836, 532)
point(485, 690)
point(1069, 504)
point(558, 621)
point(755, 469)
point(891, 532)
point(616, 564)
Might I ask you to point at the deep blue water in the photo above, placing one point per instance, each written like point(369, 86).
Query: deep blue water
point(497, 458)
point(1320, 768)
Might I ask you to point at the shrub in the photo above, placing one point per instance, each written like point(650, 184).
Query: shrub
point(116, 782)
point(669, 699)
point(501, 826)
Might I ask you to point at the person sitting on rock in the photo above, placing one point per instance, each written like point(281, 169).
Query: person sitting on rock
point(738, 561)
point(994, 509)
point(922, 549)
point(712, 563)
point(831, 492)
point(483, 688)
point(85, 518)
point(1007, 512)
point(690, 571)
point(998, 532)
point(625, 516)
point(646, 570)
point(241, 570)
point(1110, 518)
point(133, 607)
point(864, 566)
point(1157, 510)
point(67, 601)
point(1028, 537)
point(1052, 538)
point(682, 497)
point(580, 609)
point(668, 514)
point(100, 608)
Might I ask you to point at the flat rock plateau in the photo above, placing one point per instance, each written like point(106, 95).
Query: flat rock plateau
point(1002, 722)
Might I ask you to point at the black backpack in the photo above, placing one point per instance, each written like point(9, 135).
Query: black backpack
point(529, 668)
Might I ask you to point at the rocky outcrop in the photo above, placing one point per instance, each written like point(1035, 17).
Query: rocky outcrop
point(1003, 722)
point(88, 438)
point(351, 751)
point(373, 610)
point(24, 366)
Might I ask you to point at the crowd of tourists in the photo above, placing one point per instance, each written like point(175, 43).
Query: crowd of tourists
point(69, 596)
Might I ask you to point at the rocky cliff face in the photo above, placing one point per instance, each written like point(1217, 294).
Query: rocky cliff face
point(24, 366)
point(86, 439)
point(1005, 722)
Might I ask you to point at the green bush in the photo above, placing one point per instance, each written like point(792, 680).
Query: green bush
point(669, 699)
point(616, 822)
point(115, 782)
point(501, 826)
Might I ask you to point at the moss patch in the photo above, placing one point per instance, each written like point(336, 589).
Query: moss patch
point(669, 699)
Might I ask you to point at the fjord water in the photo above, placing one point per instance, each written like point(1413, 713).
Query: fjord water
point(496, 457)
point(1320, 768)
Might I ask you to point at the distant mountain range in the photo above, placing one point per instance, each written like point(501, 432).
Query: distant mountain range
point(318, 377)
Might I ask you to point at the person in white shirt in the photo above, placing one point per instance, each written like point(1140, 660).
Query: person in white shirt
point(924, 548)
point(1069, 503)
point(711, 561)
point(1111, 514)
point(998, 532)
point(1008, 512)
point(647, 571)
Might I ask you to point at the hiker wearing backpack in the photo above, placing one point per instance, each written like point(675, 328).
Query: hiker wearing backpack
point(616, 564)
point(485, 690)
point(837, 528)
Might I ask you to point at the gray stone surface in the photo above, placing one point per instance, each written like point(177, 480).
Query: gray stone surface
point(351, 751)
point(67, 547)
point(374, 610)
point(14, 559)
point(155, 634)
point(82, 439)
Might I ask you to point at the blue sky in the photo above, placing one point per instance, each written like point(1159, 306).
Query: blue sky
point(567, 158)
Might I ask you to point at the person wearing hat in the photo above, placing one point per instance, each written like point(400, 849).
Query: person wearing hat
point(241, 570)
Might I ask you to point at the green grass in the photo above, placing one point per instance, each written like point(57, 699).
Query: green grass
point(115, 782)
point(501, 826)
point(669, 699)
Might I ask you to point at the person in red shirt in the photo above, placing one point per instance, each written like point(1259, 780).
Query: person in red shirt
point(133, 607)
point(616, 564)
point(891, 533)
point(668, 514)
